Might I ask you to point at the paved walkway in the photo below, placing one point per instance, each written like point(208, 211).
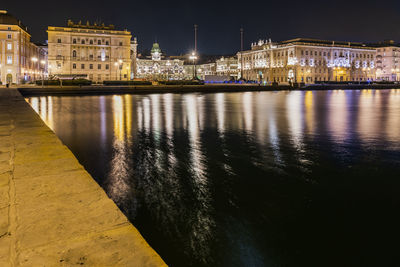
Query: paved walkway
point(52, 212)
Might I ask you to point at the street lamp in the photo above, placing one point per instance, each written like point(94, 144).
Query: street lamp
point(34, 60)
point(43, 64)
point(193, 57)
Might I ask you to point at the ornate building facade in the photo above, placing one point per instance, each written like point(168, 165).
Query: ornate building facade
point(95, 52)
point(388, 62)
point(308, 61)
point(20, 60)
point(158, 67)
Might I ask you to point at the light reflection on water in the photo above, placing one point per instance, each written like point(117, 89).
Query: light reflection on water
point(243, 179)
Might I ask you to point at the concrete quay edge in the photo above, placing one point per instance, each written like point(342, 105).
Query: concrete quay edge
point(52, 212)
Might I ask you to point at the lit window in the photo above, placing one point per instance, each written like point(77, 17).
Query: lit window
point(9, 46)
point(9, 59)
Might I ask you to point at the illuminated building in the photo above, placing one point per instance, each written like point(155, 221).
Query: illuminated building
point(224, 66)
point(158, 67)
point(20, 60)
point(227, 66)
point(95, 52)
point(388, 62)
point(308, 61)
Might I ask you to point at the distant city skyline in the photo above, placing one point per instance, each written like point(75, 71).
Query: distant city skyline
point(171, 22)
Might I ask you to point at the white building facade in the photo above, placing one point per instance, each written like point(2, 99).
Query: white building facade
point(388, 63)
point(159, 68)
point(308, 61)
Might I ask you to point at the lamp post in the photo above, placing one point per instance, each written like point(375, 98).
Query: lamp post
point(34, 60)
point(43, 64)
point(193, 57)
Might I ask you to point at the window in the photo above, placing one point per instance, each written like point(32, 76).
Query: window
point(106, 42)
point(74, 66)
point(59, 40)
point(99, 66)
point(91, 57)
point(83, 66)
point(99, 42)
point(74, 41)
point(107, 66)
point(91, 42)
point(120, 43)
point(9, 46)
point(9, 59)
point(306, 53)
point(9, 36)
point(74, 53)
point(91, 66)
point(9, 28)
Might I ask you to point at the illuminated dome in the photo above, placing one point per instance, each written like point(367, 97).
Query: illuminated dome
point(156, 52)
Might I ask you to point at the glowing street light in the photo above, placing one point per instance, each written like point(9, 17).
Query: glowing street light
point(193, 57)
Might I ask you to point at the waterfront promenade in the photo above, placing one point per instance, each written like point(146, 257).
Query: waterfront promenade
point(52, 212)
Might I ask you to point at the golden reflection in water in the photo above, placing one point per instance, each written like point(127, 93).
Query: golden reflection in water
point(128, 114)
point(309, 110)
point(201, 227)
point(146, 114)
point(369, 114)
point(248, 111)
point(393, 117)
point(44, 107)
point(338, 115)
point(119, 122)
point(117, 182)
point(220, 108)
point(295, 117)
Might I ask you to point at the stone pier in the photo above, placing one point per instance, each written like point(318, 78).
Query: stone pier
point(52, 212)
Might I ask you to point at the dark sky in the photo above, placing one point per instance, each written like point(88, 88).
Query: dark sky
point(171, 22)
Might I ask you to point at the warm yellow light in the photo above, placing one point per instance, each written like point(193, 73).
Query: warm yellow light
point(34, 59)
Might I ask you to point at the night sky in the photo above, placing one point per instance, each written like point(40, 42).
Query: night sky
point(171, 22)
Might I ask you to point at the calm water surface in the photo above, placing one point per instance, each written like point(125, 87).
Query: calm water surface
point(246, 179)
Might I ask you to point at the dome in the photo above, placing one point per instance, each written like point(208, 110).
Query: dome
point(156, 48)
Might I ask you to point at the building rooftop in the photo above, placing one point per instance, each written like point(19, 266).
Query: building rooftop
point(100, 26)
point(323, 42)
point(8, 19)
